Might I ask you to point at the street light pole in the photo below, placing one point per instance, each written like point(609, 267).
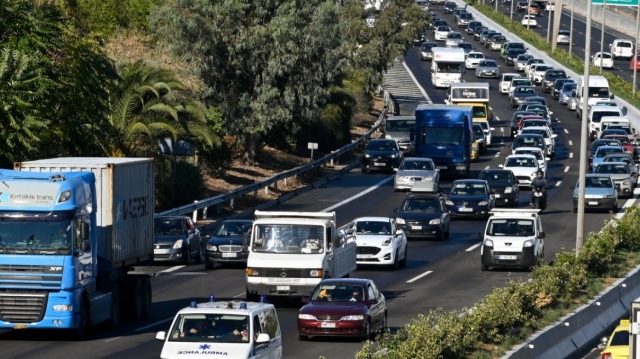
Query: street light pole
point(511, 14)
point(604, 8)
point(571, 28)
point(496, 2)
point(583, 134)
point(557, 19)
point(549, 27)
point(635, 51)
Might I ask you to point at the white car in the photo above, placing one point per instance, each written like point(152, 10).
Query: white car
point(529, 20)
point(538, 73)
point(564, 37)
point(505, 82)
point(453, 39)
point(524, 167)
point(379, 241)
point(547, 134)
point(518, 81)
point(539, 155)
point(622, 48)
point(529, 70)
point(512, 238)
point(604, 58)
point(487, 130)
point(441, 33)
point(473, 59)
point(530, 64)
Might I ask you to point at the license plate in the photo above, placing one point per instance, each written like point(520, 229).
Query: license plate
point(327, 325)
point(442, 167)
point(497, 195)
point(507, 257)
point(378, 164)
point(465, 209)
point(593, 203)
point(20, 326)
point(160, 251)
point(523, 181)
point(416, 228)
point(229, 255)
point(364, 256)
point(283, 287)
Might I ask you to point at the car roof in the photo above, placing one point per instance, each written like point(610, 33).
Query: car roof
point(544, 128)
point(372, 219)
point(529, 135)
point(608, 147)
point(496, 169)
point(223, 307)
point(350, 281)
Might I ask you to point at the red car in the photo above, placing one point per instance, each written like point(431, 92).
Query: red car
point(635, 62)
point(529, 117)
point(626, 144)
point(343, 307)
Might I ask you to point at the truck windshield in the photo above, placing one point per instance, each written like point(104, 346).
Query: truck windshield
point(288, 238)
point(449, 68)
point(400, 125)
point(443, 136)
point(511, 227)
point(210, 328)
point(479, 112)
point(599, 92)
point(35, 237)
point(598, 115)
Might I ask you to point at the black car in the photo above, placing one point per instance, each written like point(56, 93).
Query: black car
point(515, 120)
point(557, 87)
point(426, 52)
point(472, 26)
point(467, 47)
point(433, 18)
point(521, 94)
point(529, 140)
point(470, 198)
point(438, 23)
point(504, 185)
point(424, 215)
point(229, 243)
point(550, 76)
point(478, 135)
point(512, 55)
point(478, 31)
point(450, 7)
point(603, 142)
point(539, 99)
point(381, 154)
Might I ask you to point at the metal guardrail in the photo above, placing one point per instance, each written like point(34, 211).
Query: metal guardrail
point(229, 196)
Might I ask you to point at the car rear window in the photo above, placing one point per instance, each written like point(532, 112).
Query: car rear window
point(624, 44)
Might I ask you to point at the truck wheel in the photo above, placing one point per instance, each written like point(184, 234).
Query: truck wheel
point(79, 333)
point(136, 300)
point(115, 308)
point(148, 297)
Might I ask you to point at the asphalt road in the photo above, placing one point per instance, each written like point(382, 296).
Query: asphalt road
point(450, 270)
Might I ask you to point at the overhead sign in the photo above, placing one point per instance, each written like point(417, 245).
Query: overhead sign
point(28, 194)
point(616, 2)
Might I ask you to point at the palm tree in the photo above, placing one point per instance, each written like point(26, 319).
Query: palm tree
point(142, 113)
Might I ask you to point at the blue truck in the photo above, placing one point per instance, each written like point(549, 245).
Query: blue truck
point(443, 133)
point(71, 230)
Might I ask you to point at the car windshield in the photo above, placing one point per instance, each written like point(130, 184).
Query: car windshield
point(169, 226)
point(540, 132)
point(603, 152)
point(612, 169)
point(536, 61)
point(466, 16)
point(428, 46)
point(507, 78)
point(210, 328)
point(399, 125)
point(526, 141)
point(232, 229)
point(625, 129)
point(496, 177)
point(516, 45)
point(468, 189)
point(464, 45)
point(542, 68)
point(599, 92)
point(488, 63)
point(521, 162)
point(21, 236)
point(288, 238)
point(596, 116)
point(623, 159)
point(479, 112)
point(450, 67)
point(510, 227)
point(476, 56)
point(525, 90)
point(536, 154)
point(338, 293)
point(444, 28)
point(564, 32)
point(428, 205)
point(454, 35)
point(555, 75)
point(498, 38)
point(569, 87)
point(518, 82)
point(523, 58)
point(373, 227)
point(416, 165)
point(598, 182)
point(620, 338)
point(382, 146)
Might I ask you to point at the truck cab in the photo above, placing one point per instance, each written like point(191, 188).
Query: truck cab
point(447, 66)
point(474, 94)
point(399, 128)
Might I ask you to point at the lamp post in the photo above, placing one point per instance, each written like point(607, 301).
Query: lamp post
point(496, 2)
point(583, 134)
point(557, 20)
point(549, 28)
point(511, 14)
point(571, 28)
point(604, 7)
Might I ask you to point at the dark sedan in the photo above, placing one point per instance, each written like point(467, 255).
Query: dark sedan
point(229, 243)
point(470, 198)
point(512, 55)
point(176, 239)
point(550, 76)
point(450, 7)
point(504, 185)
point(521, 93)
point(343, 307)
point(557, 87)
point(424, 215)
point(472, 26)
point(381, 154)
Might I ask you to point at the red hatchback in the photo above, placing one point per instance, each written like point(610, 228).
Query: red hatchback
point(343, 307)
point(626, 144)
point(635, 62)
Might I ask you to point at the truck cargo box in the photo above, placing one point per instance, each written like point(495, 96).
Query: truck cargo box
point(125, 197)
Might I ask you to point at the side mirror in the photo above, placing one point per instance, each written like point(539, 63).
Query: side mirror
point(305, 300)
point(86, 246)
point(85, 231)
point(612, 96)
point(501, 166)
point(554, 136)
point(437, 170)
point(481, 235)
point(191, 231)
point(445, 191)
point(161, 336)
point(604, 341)
point(371, 302)
point(399, 232)
point(492, 192)
point(542, 235)
point(263, 338)
point(431, 70)
point(572, 187)
point(550, 113)
point(396, 210)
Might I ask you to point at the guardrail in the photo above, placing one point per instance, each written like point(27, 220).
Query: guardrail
point(283, 176)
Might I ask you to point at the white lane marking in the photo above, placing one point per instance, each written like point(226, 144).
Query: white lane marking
point(498, 154)
point(490, 109)
point(239, 295)
point(374, 187)
point(571, 155)
point(424, 93)
point(628, 203)
point(558, 183)
point(566, 169)
point(111, 339)
point(171, 269)
point(152, 324)
point(486, 168)
point(498, 119)
point(473, 247)
point(420, 276)
point(570, 143)
point(566, 131)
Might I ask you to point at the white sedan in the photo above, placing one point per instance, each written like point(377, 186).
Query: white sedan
point(441, 33)
point(529, 20)
point(524, 167)
point(379, 241)
point(473, 59)
point(605, 58)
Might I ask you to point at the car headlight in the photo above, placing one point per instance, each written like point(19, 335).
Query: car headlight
point(393, 156)
point(387, 242)
point(316, 273)
point(528, 243)
point(448, 203)
point(508, 190)
point(488, 243)
point(366, 155)
point(533, 174)
point(435, 221)
point(253, 272)
point(626, 181)
point(211, 247)
point(178, 243)
point(400, 221)
point(483, 203)
point(353, 317)
point(307, 316)
point(608, 196)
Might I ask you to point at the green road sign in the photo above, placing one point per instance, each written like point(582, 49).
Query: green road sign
point(616, 2)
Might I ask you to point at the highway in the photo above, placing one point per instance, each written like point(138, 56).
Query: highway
point(438, 274)
point(621, 66)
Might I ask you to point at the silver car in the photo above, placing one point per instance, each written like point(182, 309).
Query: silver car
point(624, 176)
point(488, 68)
point(572, 103)
point(453, 39)
point(521, 61)
point(599, 193)
point(414, 169)
point(563, 37)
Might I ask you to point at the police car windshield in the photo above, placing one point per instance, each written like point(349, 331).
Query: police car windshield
point(510, 227)
point(37, 237)
point(288, 239)
point(209, 328)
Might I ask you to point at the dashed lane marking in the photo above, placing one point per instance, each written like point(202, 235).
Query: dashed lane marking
point(566, 131)
point(153, 324)
point(473, 247)
point(558, 183)
point(570, 143)
point(486, 168)
point(171, 269)
point(566, 169)
point(420, 276)
point(571, 155)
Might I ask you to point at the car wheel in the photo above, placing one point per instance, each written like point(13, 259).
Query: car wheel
point(384, 323)
point(403, 262)
point(447, 234)
point(367, 330)
point(364, 170)
point(200, 256)
point(614, 209)
point(303, 338)
point(396, 262)
point(484, 268)
point(185, 256)
point(440, 235)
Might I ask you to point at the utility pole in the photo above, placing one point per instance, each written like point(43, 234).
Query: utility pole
point(557, 18)
point(571, 28)
point(511, 14)
point(604, 8)
point(635, 51)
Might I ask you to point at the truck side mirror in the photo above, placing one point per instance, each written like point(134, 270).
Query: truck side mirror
point(85, 230)
point(86, 246)
point(612, 96)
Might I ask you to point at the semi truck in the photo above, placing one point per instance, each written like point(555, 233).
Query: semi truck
point(474, 94)
point(447, 66)
point(443, 133)
point(399, 128)
point(291, 252)
point(71, 230)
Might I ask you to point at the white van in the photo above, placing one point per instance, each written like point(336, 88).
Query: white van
point(447, 66)
point(598, 90)
point(595, 117)
point(231, 329)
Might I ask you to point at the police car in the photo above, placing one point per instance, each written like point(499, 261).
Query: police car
point(512, 238)
point(225, 329)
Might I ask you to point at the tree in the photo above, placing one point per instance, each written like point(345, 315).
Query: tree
point(266, 63)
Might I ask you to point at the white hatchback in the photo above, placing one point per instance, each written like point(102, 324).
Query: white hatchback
point(602, 59)
point(529, 21)
point(505, 82)
point(473, 59)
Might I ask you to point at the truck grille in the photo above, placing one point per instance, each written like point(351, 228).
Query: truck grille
point(283, 273)
point(230, 248)
point(30, 277)
point(368, 250)
point(22, 307)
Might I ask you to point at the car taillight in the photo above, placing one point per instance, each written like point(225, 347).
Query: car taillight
point(606, 356)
